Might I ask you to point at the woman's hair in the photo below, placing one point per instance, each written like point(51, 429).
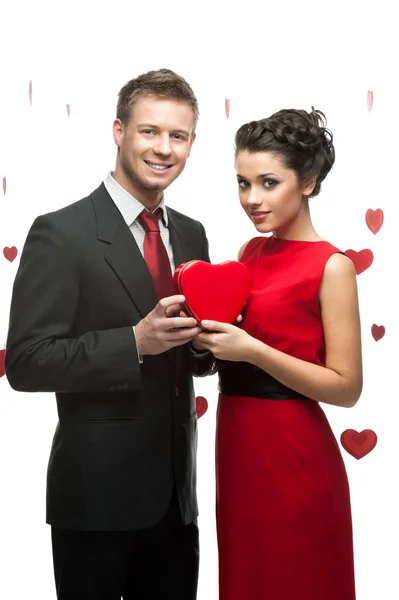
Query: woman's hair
point(299, 138)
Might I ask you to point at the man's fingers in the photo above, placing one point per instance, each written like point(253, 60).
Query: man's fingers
point(166, 303)
point(186, 334)
point(181, 323)
point(173, 311)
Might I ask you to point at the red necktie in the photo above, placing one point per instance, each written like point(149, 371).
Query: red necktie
point(155, 254)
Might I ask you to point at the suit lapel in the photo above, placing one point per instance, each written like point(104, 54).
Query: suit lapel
point(181, 253)
point(179, 240)
point(123, 254)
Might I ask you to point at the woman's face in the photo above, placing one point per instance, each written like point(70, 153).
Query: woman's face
point(270, 194)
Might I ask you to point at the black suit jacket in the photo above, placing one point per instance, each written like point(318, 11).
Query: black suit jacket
point(126, 431)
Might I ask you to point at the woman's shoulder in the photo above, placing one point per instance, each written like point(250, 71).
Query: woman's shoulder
point(251, 245)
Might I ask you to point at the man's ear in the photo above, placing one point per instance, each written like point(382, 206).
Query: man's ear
point(194, 135)
point(117, 128)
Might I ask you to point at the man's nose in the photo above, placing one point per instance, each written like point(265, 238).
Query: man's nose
point(163, 145)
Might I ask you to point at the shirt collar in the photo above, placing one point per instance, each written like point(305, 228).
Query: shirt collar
point(128, 205)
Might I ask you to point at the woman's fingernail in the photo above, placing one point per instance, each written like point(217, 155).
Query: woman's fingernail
point(204, 322)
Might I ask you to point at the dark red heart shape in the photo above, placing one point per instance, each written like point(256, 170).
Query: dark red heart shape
point(214, 292)
point(10, 253)
point(362, 259)
point(358, 444)
point(374, 219)
point(377, 331)
point(2, 363)
point(201, 404)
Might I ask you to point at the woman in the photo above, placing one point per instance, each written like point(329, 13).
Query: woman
point(283, 505)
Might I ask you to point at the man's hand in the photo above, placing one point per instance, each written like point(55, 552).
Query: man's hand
point(160, 330)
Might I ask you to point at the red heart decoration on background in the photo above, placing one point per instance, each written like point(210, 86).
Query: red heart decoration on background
point(4, 185)
point(377, 331)
point(362, 259)
point(68, 110)
point(227, 107)
point(358, 444)
point(10, 253)
point(201, 405)
point(215, 292)
point(2, 363)
point(370, 100)
point(374, 219)
point(30, 93)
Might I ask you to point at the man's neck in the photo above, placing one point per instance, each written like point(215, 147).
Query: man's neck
point(147, 199)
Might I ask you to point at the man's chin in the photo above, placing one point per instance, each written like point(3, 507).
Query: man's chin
point(152, 185)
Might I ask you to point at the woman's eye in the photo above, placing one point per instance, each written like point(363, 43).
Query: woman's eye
point(270, 183)
point(243, 184)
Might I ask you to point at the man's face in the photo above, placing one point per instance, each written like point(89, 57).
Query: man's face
point(153, 146)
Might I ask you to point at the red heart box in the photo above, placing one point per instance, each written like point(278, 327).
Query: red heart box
point(216, 292)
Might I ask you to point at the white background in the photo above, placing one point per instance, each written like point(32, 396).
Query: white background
point(263, 57)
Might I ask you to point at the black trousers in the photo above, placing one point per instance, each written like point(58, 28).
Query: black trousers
point(160, 563)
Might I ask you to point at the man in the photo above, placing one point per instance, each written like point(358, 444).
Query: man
point(93, 319)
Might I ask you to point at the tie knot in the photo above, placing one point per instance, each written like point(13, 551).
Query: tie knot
point(150, 221)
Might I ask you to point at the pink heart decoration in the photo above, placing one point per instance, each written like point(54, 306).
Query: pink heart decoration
point(2, 363)
point(377, 331)
point(10, 253)
point(370, 100)
point(374, 219)
point(358, 444)
point(201, 404)
point(362, 260)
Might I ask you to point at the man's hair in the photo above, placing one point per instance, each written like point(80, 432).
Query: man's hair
point(162, 83)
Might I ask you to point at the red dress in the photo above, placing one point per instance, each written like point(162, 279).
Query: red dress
point(283, 506)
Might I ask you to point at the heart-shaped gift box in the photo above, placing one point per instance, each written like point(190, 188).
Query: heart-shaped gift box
point(215, 292)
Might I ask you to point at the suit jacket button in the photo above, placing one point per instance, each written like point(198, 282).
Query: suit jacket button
point(176, 391)
point(112, 388)
point(126, 386)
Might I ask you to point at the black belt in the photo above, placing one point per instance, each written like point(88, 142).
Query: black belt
point(244, 379)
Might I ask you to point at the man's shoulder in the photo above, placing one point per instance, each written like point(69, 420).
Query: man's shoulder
point(79, 209)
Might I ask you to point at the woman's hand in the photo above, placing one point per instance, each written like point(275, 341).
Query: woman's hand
point(226, 342)
point(199, 344)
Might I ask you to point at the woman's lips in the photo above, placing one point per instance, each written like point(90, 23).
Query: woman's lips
point(259, 216)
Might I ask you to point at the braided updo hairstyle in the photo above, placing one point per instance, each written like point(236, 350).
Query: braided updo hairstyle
point(300, 138)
